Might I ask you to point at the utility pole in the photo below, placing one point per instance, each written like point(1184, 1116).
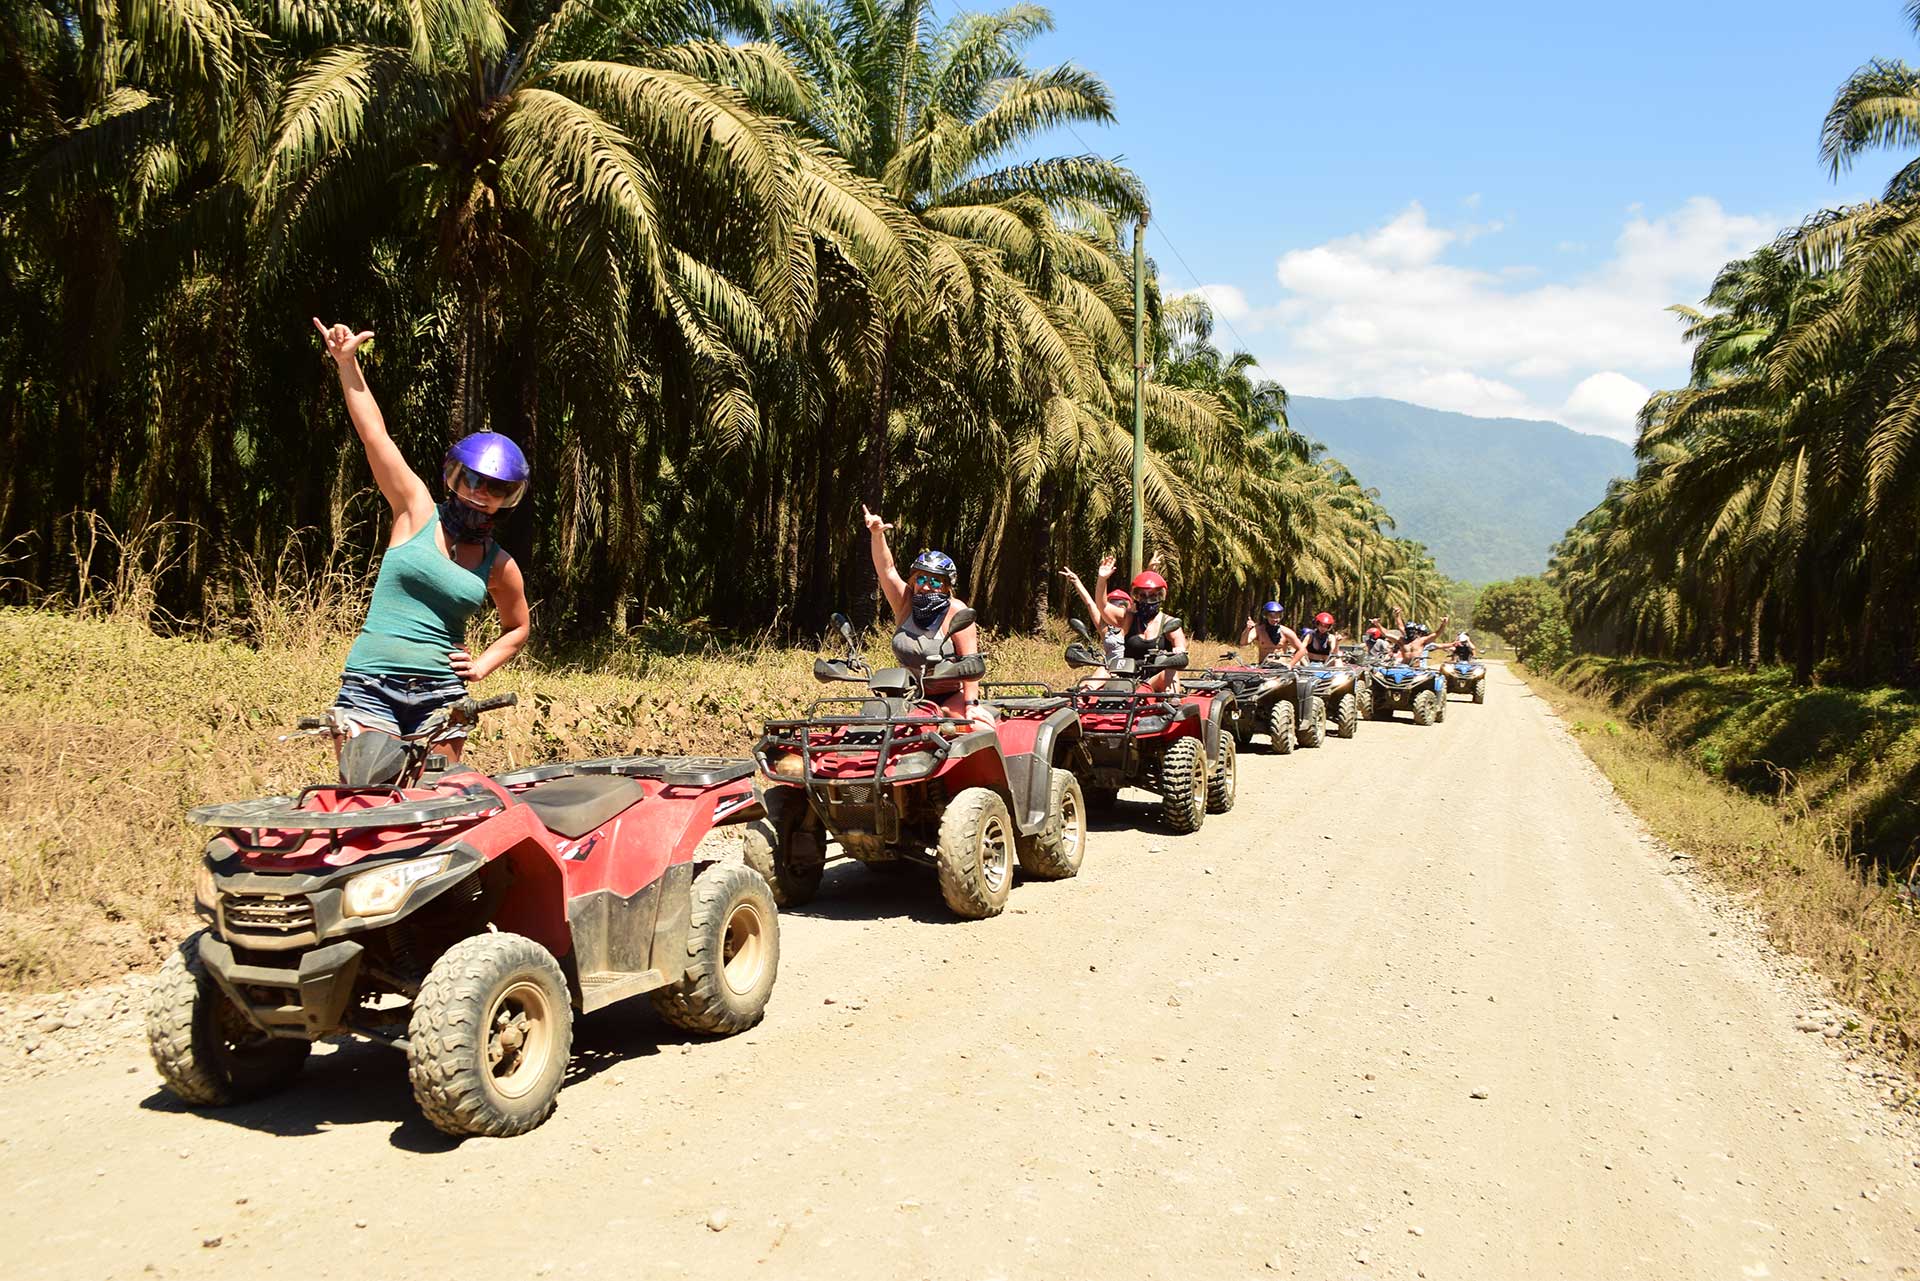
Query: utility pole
point(1137, 559)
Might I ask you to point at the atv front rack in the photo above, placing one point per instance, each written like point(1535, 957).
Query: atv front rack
point(281, 813)
point(860, 798)
point(674, 771)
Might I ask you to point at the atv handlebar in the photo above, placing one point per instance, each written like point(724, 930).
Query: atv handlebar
point(497, 702)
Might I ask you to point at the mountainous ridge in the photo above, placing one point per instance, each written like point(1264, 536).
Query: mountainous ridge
point(1488, 496)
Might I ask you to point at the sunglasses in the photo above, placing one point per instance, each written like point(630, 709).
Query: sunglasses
point(507, 491)
point(929, 582)
point(1149, 598)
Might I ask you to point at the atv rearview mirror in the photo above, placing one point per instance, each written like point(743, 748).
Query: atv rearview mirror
point(1170, 626)
point(961, 620)
point(1080, 629)
point(844, 626)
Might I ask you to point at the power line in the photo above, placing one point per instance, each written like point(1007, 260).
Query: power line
point(1167, 240)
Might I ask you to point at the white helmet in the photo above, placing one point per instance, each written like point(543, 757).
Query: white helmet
point(1461, 639)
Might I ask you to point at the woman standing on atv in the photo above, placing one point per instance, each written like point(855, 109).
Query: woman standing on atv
point(1271, 635)
point(921, 607)
point(440, 568)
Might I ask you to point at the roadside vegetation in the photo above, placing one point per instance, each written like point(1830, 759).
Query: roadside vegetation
point(1803, 803)
point(1771, 518)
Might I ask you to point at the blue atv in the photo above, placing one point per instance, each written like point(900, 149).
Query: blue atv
point(1400, 687)
point(1466, 676)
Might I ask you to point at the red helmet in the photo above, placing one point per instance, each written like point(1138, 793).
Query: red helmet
point(1323, 620)
point(1118, 597)
point(1374, 633)
point(1147, 580)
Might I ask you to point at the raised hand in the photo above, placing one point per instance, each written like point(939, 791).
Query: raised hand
point(342, 343)
point(1108, 564)
point(874, 522)
point(1069, 575)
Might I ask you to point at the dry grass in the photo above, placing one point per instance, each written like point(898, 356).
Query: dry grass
point(109, 733)
point(1793, 853)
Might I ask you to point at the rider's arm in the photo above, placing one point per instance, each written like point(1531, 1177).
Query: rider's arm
point(1087, 599)
point(891, 583)
point(1298, 654)
point(967, 642)
point(1176, 640)
point(405, 492)
point(1248, 632)
point(508, 587)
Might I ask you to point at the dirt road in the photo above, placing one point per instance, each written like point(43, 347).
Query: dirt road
point(1498, 1038)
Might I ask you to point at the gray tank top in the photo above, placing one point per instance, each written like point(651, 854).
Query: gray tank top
point(916, 646)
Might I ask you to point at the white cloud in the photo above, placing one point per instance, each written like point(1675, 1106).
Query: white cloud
point(1392, 312)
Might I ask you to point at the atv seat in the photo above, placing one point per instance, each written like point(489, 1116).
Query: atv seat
point(572, 807)
point(882, 708)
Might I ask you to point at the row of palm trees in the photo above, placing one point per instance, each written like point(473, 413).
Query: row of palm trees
point(727, 269)
point(1773, 511)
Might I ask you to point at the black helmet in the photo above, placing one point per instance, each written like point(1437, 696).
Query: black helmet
point(1418, 629)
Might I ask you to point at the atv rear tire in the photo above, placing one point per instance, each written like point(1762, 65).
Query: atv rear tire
point(1314, 732)
point(1480, 690)
point(976, 854)
point(1439, 707)
point(733, 953)
point(1363, 697)
point(1223, 782)
point(490, 1036)
point(1424, 708)
point(788, 847)
point(1054, 852)
point(1282, 737)
point(206, 1050)
point(1346, 717)
point(1183, 773)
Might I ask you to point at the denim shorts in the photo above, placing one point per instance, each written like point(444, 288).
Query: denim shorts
point(397, 704)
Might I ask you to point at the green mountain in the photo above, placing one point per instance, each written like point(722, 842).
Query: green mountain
point(1488, 496)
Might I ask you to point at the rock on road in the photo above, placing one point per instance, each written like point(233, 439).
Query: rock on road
point(1425, 1003)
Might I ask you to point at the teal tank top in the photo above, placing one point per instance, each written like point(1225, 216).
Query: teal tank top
point(421, 603)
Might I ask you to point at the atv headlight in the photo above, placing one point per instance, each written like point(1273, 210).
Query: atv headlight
point(384, 890)
point(1269, 685)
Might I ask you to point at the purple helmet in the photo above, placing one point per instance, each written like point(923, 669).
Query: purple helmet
point(490, 463)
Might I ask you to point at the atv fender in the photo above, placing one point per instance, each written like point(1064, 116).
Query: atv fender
point(1220, 715)
point(1031, 777)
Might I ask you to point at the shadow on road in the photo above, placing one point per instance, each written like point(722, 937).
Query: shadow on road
point(360, 1083)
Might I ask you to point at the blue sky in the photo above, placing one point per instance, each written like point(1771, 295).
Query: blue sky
point(1477, 206)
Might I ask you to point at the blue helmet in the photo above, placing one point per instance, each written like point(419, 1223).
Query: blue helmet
point(1273, 607)
point(489, 462)
point(932, 562)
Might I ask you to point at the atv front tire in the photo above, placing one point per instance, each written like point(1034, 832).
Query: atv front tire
point(1346, 716)
point(491, 1032)
point(1281, 735)
point(1223, 783)
point(1425, 708)
point(1480, 690)
point(976, 854)
point(788, 847)
point(206, 1050)
point(1314, 732)
point(733, 954)
point(1183, 775)
point(1054, 852)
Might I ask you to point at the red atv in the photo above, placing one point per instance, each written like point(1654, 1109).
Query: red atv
point(1179, 744)
point(894, 777)
point(462, 919)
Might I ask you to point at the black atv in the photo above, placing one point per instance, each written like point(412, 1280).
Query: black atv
point(1276, 700)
